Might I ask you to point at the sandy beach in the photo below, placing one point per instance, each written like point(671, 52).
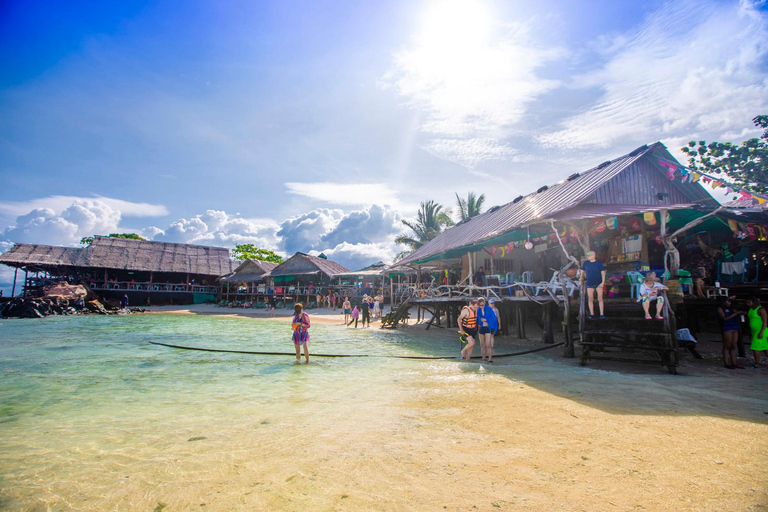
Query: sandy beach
point(529, 433)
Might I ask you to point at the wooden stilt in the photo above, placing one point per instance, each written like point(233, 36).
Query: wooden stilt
point(13, 291)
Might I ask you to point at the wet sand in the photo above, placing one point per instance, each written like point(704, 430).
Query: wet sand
point(529, 433)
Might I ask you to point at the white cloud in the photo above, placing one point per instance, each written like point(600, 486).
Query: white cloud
point(357, 256)
point(346, 193)
point(81, 218)
point(692, 69)
point(216, 227)
point(472, 78)
point(59, 203)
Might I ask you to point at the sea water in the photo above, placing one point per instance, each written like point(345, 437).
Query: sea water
point(94, 417)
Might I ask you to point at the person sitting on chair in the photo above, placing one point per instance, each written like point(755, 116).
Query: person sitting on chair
point(649, 292)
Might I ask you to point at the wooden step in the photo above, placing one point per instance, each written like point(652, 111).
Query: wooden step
point(623, 332)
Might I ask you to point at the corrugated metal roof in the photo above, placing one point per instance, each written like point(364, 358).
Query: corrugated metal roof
point(545, 204)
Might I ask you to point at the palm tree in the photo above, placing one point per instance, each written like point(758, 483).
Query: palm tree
point(469, 207)
point(430, 222)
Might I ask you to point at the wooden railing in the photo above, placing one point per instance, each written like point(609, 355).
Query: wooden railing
point(154, 287)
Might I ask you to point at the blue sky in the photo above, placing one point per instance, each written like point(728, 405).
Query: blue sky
point(319, 125)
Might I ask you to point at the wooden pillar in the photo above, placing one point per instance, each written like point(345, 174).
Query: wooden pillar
point(13, 291)
point(105, 278)
point(26, 283)
point(547, 320)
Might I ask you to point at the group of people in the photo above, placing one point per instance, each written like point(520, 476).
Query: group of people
point(731, 319)
point(370, 307)
point(593, 273)
point(479, 320)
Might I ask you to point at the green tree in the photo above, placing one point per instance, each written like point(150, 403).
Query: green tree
point(471, 206)
point(246, 251)
point(430, 222)
point(88, 240)
point(745, 164)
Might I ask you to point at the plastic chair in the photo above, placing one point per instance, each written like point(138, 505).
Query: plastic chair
point(635, 280)
point(526, 277)
point(510, 278)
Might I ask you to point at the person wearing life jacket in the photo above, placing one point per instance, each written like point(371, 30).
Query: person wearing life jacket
point(468, 325)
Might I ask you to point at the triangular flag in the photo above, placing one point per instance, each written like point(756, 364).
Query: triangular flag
point(732, 224)
point(745, 194)
point(729, 190)
point(696, 177)
point(760, 200)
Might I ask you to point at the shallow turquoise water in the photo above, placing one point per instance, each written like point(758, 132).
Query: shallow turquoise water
point(87, 397)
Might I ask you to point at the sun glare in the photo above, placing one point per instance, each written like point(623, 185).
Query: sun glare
point(456, 25)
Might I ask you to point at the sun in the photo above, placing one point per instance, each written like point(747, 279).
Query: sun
point(451, 26)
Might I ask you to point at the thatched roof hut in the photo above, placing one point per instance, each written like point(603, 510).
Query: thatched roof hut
point(250, 271)
point(123, 254)
point(307, 267)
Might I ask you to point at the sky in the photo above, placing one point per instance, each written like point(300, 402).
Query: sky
point(317, 126)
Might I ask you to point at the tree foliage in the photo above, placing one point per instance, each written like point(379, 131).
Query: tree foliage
point(249, 251)
point(430, 222)
point(745, 164)
point(470, 207)
point(88, 240)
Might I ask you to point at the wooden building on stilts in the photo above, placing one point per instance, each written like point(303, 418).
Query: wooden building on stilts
point(526, 254)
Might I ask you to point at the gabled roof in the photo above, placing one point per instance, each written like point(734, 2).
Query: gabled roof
point(591, 190)
point(376, 269)
point(125, 254)
point(250, 271)
point(304, 264)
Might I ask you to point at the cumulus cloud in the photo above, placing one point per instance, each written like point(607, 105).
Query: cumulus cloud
point(472, 78)
point(81, 218)
point(690, 69)
point(215, 227)
point(374, 224)
point(357, 256)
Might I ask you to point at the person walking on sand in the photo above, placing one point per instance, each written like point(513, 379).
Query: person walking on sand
point(468, 325)
point(300, 326)
point(593, 272)
point(347, 309)
point(649, 292)
point(376, 307)
point(758, 320)
point(355, 316)
point(729, 319)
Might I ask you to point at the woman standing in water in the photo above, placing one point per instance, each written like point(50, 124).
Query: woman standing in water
point(300, 326)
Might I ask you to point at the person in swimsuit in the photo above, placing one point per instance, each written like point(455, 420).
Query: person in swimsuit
point(300, 326)
point(347, 308)
point(468, 325)
point(729, 318)
point(758, 320)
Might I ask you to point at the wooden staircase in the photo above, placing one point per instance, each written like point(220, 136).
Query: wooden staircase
point(390, 320)
point(625, 334)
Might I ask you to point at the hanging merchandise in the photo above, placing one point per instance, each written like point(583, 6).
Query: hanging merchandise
point(751, 231)
point(529, 244)
point(734, 227)
point(611, 222)
point(634, 224)
point(649, 218)
point(599, 225)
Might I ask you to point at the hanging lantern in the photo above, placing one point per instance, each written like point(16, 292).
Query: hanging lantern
point(529, 245)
